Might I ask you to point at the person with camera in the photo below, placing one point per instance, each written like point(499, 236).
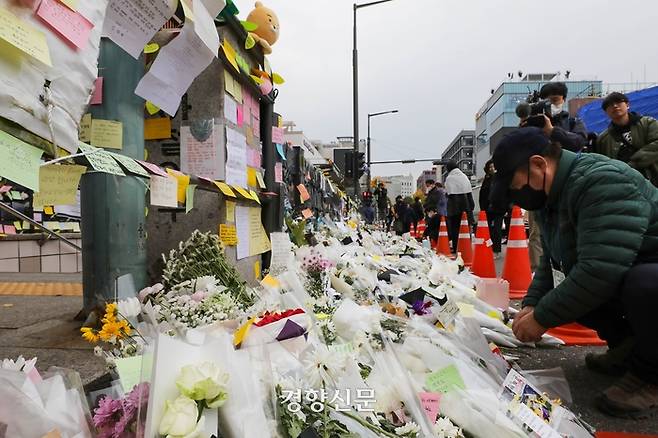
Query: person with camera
point(600, 263)
point(631, 137)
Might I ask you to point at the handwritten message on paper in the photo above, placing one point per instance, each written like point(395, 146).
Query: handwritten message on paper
point(282, 254)
point(307, 213)
point(228, 234)
point(132, 23)
point(183, 182)
point(230, 211)
point(430, 403)
point(225, 189)
point(19, 161)
point(236, 158)
point(97, 97)
point(24, 36)
point(259, 242)
point(202, 149)
point(101, 160)
point(163, 191)
point(130, 164)
point(85, 128)
point(156, 170)
point(278, 135)
point(444, 380)
point(243, 231)
point(166, 96)
point(58, 184)
point(107, 134)
point(157, 128)
point(230, 109)
point(67, 22)
point(189, 197)
point(278, 173)
point(251, 177)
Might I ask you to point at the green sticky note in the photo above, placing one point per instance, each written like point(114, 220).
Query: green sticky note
point(444, 380)
point(189, 197)
point(130, 370)
point(131, 165)
point(101, 160)
point(19, 161)
point(16, 196)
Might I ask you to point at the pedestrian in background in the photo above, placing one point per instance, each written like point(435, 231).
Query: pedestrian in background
point(403, 216)
point(431, 194)
point(442, 206)
point(631, 137)
point(418, 213)
point(494, 218)
point(432, 224)
point(460, 200)
point(382, 202)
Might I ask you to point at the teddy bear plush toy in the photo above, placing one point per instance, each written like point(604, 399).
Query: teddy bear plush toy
point(267, 30)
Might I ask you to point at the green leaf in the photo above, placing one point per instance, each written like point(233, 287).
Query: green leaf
point(277, 79)
point(249, 42)
point(249, 26)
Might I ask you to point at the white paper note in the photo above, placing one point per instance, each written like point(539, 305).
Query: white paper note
point(281, 251)
point(163, 191)
point(242, 225)
point(230, 109)
point(236, 158)
point(160, 93)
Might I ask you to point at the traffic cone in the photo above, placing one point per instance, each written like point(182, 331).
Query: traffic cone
point(443, 246)
point(483, 258)
point(517, 261)
point(576, 334)
point(464, 244)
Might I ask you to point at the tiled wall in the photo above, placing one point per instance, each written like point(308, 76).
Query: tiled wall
point(39, 256)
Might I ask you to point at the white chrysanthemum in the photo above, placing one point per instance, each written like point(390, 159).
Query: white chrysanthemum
point(322, 366)
point(445, 429)
point(129, 308)
point(410, 428)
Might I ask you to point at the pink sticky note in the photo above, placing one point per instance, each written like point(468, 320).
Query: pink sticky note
point(153, 168)
point(37, 217)
point(307, 213)
point(240, 115)
point(10, 229)
point(97, 97)
point(277, 135)
point(5, 189)
point(68, 23)
point(430, 402)
point(278, 172)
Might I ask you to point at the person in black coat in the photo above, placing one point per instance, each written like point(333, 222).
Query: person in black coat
point(418, 212)
point(403, 216)
point(433, 224)
point(494, 218)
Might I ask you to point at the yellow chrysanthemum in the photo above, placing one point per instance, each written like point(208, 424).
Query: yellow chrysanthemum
point(110, 332)
point(125, 327)
point(89, 335)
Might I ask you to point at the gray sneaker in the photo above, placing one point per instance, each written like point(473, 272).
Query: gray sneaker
point(613, 362)
point(629, 397)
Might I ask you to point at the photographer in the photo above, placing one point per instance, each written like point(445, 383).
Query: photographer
point(630, 138)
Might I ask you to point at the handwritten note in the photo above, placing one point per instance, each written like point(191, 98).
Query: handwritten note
point(67, 22)
point(24, 36)
point(229, 52)
point(101, 160)
point(236, 158)
point(202, 149)
point(107, 134)
point(228, 234)
point(254, 196)
point(243, 231)
point(278, 172)
point(232, 86)
point(278, 135)
point(251, 177)
point(157, 129)
point(230, 211)
point(230, 109)
point(156, 170)
point(85, 128)
point(162, 95)
point(282, 254)
point(261, 181)
point(258, 240)
point(97, 97)
point(303, 193)
point(164, 191)
point(257, 270)
point(225, 189)
point(19, 161)
point(151, 109)
point(131, 24)
point(244, 193)
point(430, 402)
point(444, 380)
point(189, 197)
point(58, 184)
point(130, 164)
point(183, 181)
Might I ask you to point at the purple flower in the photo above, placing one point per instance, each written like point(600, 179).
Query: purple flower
point(106, 412)
point(420, 308)
point(139, 395)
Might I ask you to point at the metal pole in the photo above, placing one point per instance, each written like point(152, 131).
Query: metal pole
point(271, 212)
point(355, 88)
point(113, 207)
point(368, 157)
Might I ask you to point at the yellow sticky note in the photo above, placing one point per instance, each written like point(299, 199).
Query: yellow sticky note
point(230, 211)
point(85, 128)
point(258, 240)
point(251, 177)
point(24, 36)
point(241, 333)
point(257, 270)
point(72, 4)
point(229, 51)
point(157, 129)
point(270, 281)
point(107, 134)
point(18, 225)
point(151, 48)
point(254, 196)
point(467, 310)
point(243, 192)
point(58, 184)
point(48, 210)
point(183, 182)
point(228, 234)
point(261, 182)
point(225, 189)
point(150, 108)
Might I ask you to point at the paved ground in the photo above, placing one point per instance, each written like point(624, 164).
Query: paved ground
point(44, 326)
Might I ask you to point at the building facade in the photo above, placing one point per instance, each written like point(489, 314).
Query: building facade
point(434, 174)
point(461, 151)
point(398, 185)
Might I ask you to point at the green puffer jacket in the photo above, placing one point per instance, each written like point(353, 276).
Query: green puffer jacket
point(601, 218)
point(644, 134)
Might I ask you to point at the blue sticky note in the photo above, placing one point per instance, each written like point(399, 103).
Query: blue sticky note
point(279, 149)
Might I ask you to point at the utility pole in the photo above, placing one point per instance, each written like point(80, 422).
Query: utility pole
point(113, 207)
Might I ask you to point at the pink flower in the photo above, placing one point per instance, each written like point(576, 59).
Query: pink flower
point(199, 296)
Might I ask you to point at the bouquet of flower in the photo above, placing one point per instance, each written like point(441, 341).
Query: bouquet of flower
point(122, 418)
point(317, 269)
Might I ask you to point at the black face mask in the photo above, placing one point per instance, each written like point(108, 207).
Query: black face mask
point(528, 198)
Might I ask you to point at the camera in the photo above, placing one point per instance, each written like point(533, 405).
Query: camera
point(533, 110)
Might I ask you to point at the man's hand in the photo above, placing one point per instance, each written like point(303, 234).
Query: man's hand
point(526, 328)
point(523, 312)
point(548, 126)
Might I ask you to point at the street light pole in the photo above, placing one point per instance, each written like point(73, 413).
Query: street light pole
point(355, 90)
point(368, 143)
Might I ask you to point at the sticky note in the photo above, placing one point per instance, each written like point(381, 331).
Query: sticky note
point(242, 332)
point(97, 96)
point(270, 281)
point(58, 184)
point(307, 213)
point(225, 189)
point(251, 177)
point(467, 310)
point(279, 149)
point(130, 164)
point(101, 160)
point(259, 178)
point(243, 192)
point(85, 128)
point(24, 36)
point(257, 270)
point(156, 170)
point(18, 225)
point(5, 189)
point(240, 116)
point(228, 234)
point(444, 380)
point(278, 135)
point(130, 369)
point(19, 161)
point(10, 229)
point(157, 129)
point(230, 211)
point(70, 24)
point(164, 191)
point(303, 193)
point(107, 134)
point(278, 172)
point(76, 227)
point(16, 196)
point(48, 209)
point(183, 182)
point(254, 196)
point(150, 108)
point(38, 217)
point(229, 52)
point(151, 48)
point(189, 197)
point(430, 403)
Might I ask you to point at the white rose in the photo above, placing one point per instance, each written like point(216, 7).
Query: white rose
point(204, 381)
point(180, 419)
point(129, 308)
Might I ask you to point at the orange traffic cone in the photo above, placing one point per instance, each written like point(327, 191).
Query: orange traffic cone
point(576, 334)
point(517, 261)
point(464, 244)
point(443, 246)
point(483, 258)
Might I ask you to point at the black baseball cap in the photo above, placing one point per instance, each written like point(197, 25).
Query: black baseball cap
point(514, 151)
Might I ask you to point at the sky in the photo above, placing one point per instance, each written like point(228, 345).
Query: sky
point(437, 60)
